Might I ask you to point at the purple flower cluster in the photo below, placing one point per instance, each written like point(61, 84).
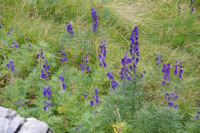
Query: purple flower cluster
point(11, 65)
point(114, 83)
point(63, 54)
point(159, 59)
point(95, 97)
point(2, 24)
point(13, 43)
point(10, 30)
point(198, 113)
point(45, 73)
point(40, 55)
point(134, 51)
point(69, 29)
point(125, 70)
point(178, 69)
point(102, 54)
point(166, 71)
point(62, 82)
point(47, 92)
point(171, 98)
point(94, 18)
point(191, 5)
point(48, 104)
point(84, 63)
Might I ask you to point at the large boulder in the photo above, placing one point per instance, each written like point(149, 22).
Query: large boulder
point(11, 122)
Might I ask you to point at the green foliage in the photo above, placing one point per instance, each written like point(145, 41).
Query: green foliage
point(152, 119)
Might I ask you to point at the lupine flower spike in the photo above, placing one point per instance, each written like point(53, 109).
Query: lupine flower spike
point(63, 85)
point(191, 5)
point(47, 92)
point(94, 18)
point(102, 54)
point(10, 30)
point(171, 98)
point(166, 71)
point(62, 54)
point(178, 69)
point(114, 82)
point(159, 59)
point(69, 29)
point(134, 51)
point(48, 104)
point(125, 70)
point(45, 73)
point(11, 66)
point(198, 113)
point(1, 25)
point(84, 64)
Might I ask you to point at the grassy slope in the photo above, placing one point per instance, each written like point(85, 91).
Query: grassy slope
point(44, 23)
point(158, 22)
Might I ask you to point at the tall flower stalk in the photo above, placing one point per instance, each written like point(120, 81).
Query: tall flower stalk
point(102, 54)
point(125, 72)
point(63, 85)
point(94, 103)
point(11, 66)
point(84, 63)
point(94, 18)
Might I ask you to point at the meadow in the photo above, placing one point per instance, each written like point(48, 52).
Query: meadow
point(102, 66)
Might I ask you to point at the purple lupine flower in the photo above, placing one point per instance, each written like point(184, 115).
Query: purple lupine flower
point(166, 71)
point(191, 5)
point(69, 29)
point(102, 54)
point(114, 83)
point(94, 18)
point(171, 98)
point(85, 95)
point(40, 55)
point(2, 24)
point(62, 54)
point(62, 82)
point(61, 78)
point(48, 104)
point(22, 104)
point(125, 70)
point(179, 7)
point(197, 117)
point(92, 102)
point(64, 86)
point(11, 66)
point(198, 113)
point(84, 64)
point(134, 50)
point(47, 92)
point(96, 91)
point(159, 59)
point(45, 73)
point(26, 39)
point(178, 69)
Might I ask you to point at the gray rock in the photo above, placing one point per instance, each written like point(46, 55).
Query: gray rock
point(11, 122)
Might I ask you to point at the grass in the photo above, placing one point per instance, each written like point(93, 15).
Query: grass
point(161, 29)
